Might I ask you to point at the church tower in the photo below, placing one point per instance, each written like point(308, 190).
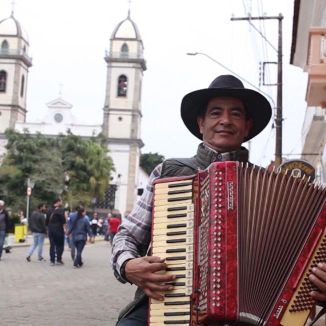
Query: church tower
point(122, 109)
point(14, 65)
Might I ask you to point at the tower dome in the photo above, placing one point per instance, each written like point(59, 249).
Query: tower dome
point(126, 29)
point(11, 27)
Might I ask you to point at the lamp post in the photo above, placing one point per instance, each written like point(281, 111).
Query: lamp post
point(30, 186)
point(232, 72)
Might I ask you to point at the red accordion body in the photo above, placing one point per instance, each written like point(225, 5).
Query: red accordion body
point(250, 239)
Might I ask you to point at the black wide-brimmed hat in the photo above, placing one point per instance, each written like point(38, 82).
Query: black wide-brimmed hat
point(256, 105)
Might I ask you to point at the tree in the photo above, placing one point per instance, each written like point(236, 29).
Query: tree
point(48, 162)
point(148, 161)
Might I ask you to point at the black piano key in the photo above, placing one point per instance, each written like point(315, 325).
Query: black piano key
point(178, 322)
point(175, 258)
point(174, 295)
point(176, 233)
point(176, 303)
point(177, 208)
point(174, 226)
point(182, 191)
point(176, 268)
point(180, 275)
point(179, 199)
point(181, 184)
point(175, 283)
point(175, 240)
point(170, 251)
point(177, 313)
point(176, 215)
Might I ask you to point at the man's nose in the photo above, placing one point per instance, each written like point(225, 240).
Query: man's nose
point(225, 118)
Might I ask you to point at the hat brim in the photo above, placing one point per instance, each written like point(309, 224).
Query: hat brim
point(257, 107)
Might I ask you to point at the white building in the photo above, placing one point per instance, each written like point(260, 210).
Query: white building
point(122, 106)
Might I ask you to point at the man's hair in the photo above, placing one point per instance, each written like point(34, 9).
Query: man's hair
point(39, 206)
point(56, 200)
point(2, 203)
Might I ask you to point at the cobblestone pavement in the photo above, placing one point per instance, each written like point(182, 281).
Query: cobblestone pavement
point(36, 293)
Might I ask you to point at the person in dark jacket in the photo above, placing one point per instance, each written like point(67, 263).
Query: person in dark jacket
point(55, 222)
point(78, 229)
point(4, 225)
point(222, 116)
point(36, 225)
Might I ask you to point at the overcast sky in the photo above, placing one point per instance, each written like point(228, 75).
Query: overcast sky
point(68, 39)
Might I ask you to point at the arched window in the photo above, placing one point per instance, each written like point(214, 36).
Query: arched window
point(4, 46)
point(22, 86)
point(124, 51)
point(3, 81)
point(122, 86)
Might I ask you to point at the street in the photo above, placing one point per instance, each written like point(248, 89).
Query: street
point(36, 293)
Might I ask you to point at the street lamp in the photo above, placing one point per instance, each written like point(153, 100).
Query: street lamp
point(232, 72)
point(30, 186)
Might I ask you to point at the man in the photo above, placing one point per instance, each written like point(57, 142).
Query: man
point(78, 229)
point(223, 116)
point(114, 223)
point(37, 227)
point(55, 222)
point(4, 225)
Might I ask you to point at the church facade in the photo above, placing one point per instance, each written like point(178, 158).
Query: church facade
point(122, 114)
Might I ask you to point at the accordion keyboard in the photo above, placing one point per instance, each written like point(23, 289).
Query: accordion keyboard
point(172, 239)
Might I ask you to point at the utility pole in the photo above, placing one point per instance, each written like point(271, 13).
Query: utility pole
point(279, 101)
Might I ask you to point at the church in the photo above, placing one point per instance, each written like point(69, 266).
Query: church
point(122, 113)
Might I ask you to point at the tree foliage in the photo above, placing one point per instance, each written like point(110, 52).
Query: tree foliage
point(69, 166)
point(148, 161)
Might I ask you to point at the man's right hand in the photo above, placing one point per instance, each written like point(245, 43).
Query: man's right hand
point(142, 272)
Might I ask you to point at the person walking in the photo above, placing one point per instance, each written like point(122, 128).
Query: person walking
point(94, 226)
point(114, 226)
point(55, 222)
point(37, 227)
point(78, 229)
point(4, 225)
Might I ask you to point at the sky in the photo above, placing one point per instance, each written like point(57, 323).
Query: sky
point(68, 40)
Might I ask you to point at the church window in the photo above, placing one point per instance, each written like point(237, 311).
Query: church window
point(3, 81)
point(4, 46)
point(124, 50)
point(22, 86)
point(122, 86)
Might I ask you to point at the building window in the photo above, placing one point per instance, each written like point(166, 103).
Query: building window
point(4, 46)
point(124, 51)
point(122, 86)
point(22, 86)
point(3, 81)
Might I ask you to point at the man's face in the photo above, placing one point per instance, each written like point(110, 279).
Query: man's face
point(224, 125)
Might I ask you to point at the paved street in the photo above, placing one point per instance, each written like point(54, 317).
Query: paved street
point(37, 294)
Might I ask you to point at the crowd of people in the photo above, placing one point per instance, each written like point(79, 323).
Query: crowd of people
point(61, 226)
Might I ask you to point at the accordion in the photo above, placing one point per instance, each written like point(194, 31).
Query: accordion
point(241, 241)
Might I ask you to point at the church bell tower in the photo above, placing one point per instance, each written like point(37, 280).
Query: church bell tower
point(122, 109)
point(14, 65)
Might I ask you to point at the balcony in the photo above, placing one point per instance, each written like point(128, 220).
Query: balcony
point(125, 57)
point(316, 68)
point(17, 54)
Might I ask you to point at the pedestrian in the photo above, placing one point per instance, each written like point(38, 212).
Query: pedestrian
point(4, 225)
point(78, 229)
point(114, 223)
point(223, 116)
point(55, 222)
point(94, 226)
point(37, 227)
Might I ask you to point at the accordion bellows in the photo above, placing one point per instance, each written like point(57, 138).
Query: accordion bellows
point(242, 242)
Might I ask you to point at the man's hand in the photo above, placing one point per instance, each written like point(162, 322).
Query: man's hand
point(318, 278)
point(142, 272)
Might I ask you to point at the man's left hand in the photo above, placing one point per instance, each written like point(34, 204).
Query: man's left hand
point(318, 278)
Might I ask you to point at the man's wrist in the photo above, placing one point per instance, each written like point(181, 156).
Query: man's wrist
point(123, 270)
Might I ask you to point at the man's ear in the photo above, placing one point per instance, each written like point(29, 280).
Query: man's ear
point(249, 126)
